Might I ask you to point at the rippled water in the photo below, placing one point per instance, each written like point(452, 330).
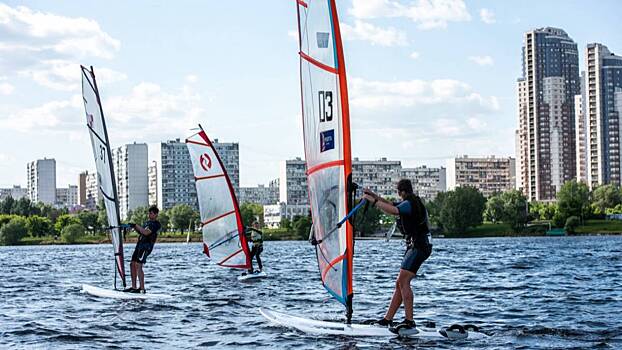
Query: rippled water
point(529, 293)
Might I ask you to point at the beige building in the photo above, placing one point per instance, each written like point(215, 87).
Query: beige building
point(489, 175)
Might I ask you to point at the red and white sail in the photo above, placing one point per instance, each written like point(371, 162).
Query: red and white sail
point(221, 222)
point(326, 128)
point(96, 125)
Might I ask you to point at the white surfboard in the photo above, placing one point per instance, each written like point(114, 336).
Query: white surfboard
point(252, 276)
point(116, 294)
point(359, 330)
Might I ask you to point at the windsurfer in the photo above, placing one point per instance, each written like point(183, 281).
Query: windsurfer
point(256, 236)
point(147, 236)
point(413, 223)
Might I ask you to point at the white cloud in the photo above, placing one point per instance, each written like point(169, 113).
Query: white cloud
point(482, 60)
point(414, 55)
point(429, 14)
point(376, 35)
point(47, 116)
point(28, 37)
point(293, 34)
point(5, 88)
point(191, 78)
point(63, 75)
point(487, 16)
point(399, 94)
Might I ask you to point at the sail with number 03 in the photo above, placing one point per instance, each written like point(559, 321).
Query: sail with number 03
point(221, 222)
point(96, 125)
point(326, 128)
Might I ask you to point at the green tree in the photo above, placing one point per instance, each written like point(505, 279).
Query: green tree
point(571, 224)
point(182, 215)
point(25, 207)
point(64, 220)
point(251, 212)
point(88, 219)
point(302, 226)
point(285, 223)
point(13, 231)
point(39, 226)
point(102, 216)
point(434, 208)
point(604, 197)
point(573, 200)
point(139, 215)
point(462, 208)
point(5, 218)
point(367, 223)
point(50, 212)
point(6, 205)
point(514, 210)
point(164, 220)
point(72, 232)
point(494, 208)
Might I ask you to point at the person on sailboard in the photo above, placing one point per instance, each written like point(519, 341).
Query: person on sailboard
point(147, 236)
point(413, 223)
point(255, 236)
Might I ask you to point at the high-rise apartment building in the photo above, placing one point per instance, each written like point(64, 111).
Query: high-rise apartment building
point(489, 175)
point(67, 197)
point(261, 194)
point(377, 175)
point(92, 192)
point(16, 192)
point(130, 167)
point(41, 178)
point(153, 183)
point(427, 182)
point(603, 108)
point(546, 103)
point(293, 182)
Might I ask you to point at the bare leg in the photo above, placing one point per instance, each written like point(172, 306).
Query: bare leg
point(141, 275)
point(404, 279)
point(133, 273)
point(396, 301)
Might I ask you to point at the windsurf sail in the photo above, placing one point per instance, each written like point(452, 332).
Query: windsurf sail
point(326, 128)
point(221, 222)
point(96, 125)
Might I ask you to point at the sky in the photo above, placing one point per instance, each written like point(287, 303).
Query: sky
point(428, 80)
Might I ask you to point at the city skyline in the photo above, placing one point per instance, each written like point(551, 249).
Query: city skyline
point(444, 83)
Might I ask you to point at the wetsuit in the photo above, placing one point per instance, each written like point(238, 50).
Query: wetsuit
point(413, 223)
point(256, 237)
point(145, 244)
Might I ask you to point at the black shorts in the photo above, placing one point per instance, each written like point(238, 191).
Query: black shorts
point(414, 257)
point(140, 254)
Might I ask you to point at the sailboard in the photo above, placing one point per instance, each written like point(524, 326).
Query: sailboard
point(252, 276)
point(221, 222)
point(116, 294)
point(100, 143)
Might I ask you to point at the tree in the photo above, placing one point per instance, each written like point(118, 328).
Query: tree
point(494, 208)
point(102, 215)
point(573, 200)
point(12, 232)
point(514, 210)
point(182, 216)
point(251, 212)
point(6, 218)
point(462, 208)
point(367, 222)
point(604, 197)
point(65, 220)
point(164, 220)
point(6, 205)
point(25, 207)
point(39, 226)
point(50, 212)
point(285, 223)
point(571, 224)
point(72, 232)
point(302, 226)
point(434, 208)
point(88, 219)
point(139, 215)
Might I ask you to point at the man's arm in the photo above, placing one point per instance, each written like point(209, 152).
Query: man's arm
point(381, 203)
point(143, 231)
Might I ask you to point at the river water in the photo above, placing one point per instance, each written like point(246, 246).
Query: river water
point(528, 293)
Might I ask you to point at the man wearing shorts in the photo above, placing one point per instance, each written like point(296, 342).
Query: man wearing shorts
point(147, 236)
point(413, 223)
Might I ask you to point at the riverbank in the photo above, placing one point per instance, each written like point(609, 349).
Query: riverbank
point(592, 227)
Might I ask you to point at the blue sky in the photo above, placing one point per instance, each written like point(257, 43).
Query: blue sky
point(428, 80)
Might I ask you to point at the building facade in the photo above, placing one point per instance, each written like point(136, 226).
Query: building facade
point(16, 192)
point(603, 100)
point(153, 183)
point(130, 167)
point(274, 214)
point(41, 178)
point(92, 194)
point(261, 194)
point(379, 176)
point(293, 182)
point(67, 197)
point(546, 93)
point(427, 182)
point(489, 175)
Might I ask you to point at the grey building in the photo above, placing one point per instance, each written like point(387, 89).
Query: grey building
point(293, 182)
point(261, 194)
point(16, 192)
point(379, 176)
point(153, 183)
point(41, 178)
point(427, 182)
point(67, 197)
point(92, 193)
point(130, 167)
point(546, 94)
point(489, 175)
point(603, 102)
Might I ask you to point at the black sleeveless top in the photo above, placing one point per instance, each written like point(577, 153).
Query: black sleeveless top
point(415, 226)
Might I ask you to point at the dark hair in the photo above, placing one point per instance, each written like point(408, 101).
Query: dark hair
point(154, 209)
point(405, 185)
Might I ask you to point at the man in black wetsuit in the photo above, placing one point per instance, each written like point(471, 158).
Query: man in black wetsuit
point(147, 236)
point(413, 223)
point(256, 236)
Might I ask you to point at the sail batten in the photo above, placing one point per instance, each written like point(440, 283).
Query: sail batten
point(96, 124)
point(326, 130)
point(221, 220)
